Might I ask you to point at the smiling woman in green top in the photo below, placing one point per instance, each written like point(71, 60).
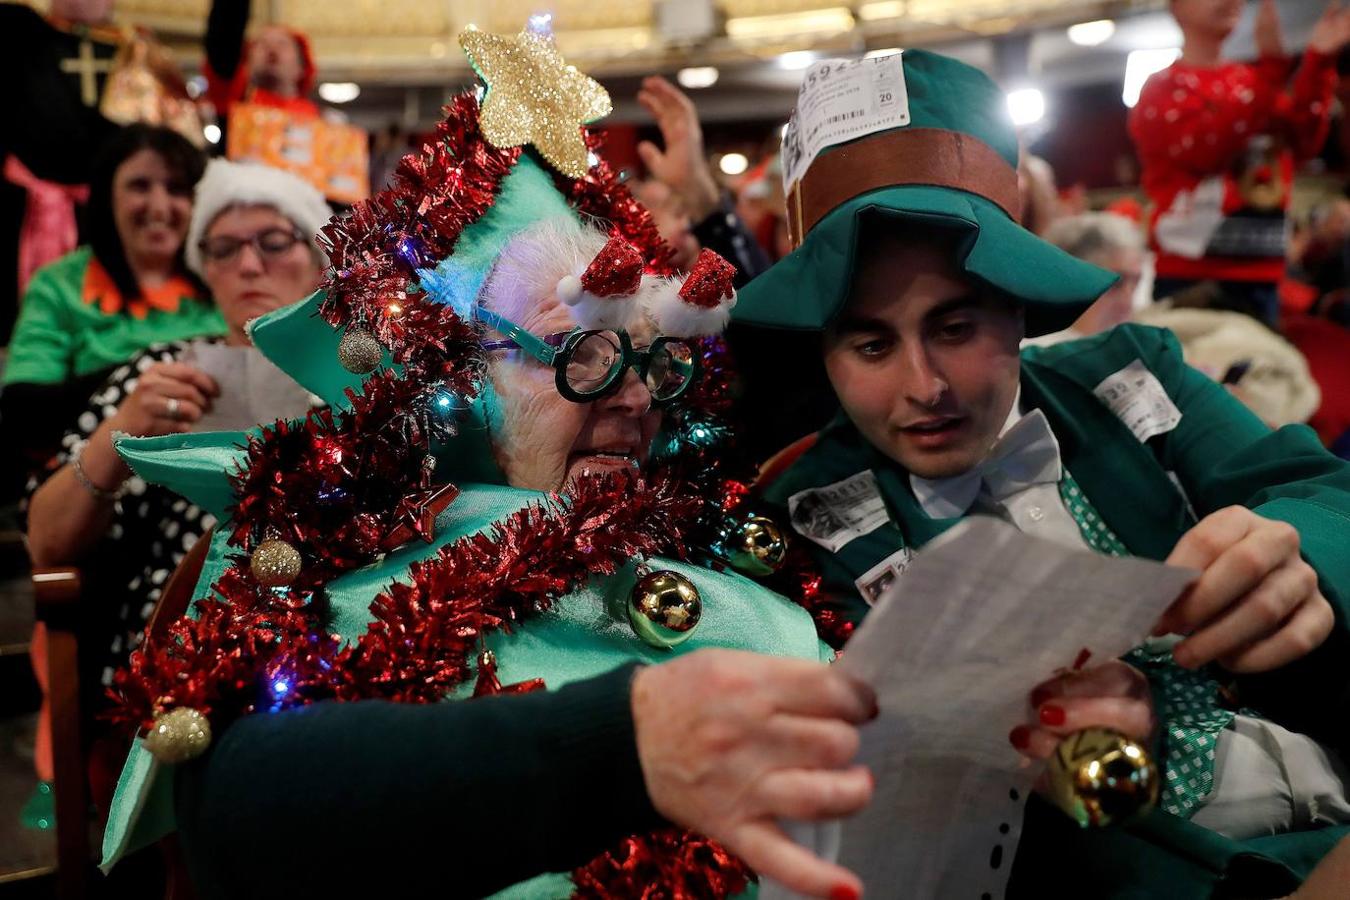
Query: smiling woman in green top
point(128, 288)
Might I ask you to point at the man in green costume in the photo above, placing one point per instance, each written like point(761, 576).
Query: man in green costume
point(914, 279)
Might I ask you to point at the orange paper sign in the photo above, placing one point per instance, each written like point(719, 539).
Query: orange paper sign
point(334, 158)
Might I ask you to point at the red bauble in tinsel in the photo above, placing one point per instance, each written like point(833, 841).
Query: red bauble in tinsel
point(362, 535)
point(602, 195)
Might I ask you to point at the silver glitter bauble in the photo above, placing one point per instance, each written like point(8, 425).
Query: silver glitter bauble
point(359, 352)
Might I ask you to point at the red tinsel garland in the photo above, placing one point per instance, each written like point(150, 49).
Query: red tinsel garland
point(353, 468)
point(664, 865)
point(603, 195)
point(376, 250)
point(227, 661)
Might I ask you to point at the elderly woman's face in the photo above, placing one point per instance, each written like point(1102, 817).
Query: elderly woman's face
point(255, 262)
point(549, 440)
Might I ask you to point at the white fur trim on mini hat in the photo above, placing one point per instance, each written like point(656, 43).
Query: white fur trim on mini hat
point(673, 316)
point(228, 184)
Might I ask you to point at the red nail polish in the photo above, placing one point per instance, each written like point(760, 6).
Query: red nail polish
point(1020, 737)
point(844, 892)
point(1052, 716)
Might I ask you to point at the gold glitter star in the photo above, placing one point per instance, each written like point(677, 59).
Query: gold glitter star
point(534, 97)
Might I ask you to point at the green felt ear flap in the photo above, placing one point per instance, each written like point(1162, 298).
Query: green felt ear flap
point(305, 346)
point(197, 466)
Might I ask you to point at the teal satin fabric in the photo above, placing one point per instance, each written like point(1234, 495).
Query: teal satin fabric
point(585, 634)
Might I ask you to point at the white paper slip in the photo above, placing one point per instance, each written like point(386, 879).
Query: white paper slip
point(982, 615)
point(837, 513)
point(1137, 398)
point(253, 391)
point(878, 579)
point(841, 100)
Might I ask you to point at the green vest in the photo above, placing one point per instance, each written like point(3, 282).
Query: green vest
point(1149, 493)
point(584, 635)
point(59, 336)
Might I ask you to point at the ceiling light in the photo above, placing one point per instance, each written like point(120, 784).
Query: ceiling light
point(697, 77)
point(796, 59)
point(1090, 34)
point(339, 91)
point(1139, 65)
point(733, 163)
point(816, 22)
point(1026, 106)
point(890, 9)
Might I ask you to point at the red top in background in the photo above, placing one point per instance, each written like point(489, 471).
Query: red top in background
point(1218, 148)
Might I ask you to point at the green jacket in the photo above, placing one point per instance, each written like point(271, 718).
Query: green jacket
point(1219, 455)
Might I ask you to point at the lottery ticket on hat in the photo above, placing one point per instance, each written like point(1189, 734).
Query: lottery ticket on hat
point(841, 100)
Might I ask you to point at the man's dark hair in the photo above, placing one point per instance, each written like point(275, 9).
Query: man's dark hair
point(185, 163)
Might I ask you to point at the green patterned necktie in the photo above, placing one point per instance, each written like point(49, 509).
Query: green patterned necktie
point(1188, 701)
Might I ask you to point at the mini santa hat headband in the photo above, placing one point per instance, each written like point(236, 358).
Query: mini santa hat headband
point(600, 278)
point(696, 305)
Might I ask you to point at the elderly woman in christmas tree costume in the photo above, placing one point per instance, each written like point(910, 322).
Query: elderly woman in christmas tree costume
point(915, 284)
point(473, 516)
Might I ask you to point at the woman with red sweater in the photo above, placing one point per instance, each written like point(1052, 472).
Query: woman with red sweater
point(1218, 142)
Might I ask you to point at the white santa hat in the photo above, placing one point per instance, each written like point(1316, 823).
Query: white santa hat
point(228, 184)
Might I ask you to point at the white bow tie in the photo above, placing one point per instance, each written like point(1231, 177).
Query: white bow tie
point(1025, 455)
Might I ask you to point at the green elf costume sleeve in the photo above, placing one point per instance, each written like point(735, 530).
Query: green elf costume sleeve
point(1222, 455)
point(43, 346)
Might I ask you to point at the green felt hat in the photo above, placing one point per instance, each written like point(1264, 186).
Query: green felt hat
point(946, 158)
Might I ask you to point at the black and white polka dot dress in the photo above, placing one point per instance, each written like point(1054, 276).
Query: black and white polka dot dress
point(151, 531)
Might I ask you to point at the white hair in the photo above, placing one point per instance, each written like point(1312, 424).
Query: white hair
point(534, 262)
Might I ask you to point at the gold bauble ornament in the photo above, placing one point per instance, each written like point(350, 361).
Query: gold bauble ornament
point(756, 546)
point(664, 608)
point(1100, 777)
point(275, 563)
point(178, 735)
point(534, 97)
point(359, 352)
